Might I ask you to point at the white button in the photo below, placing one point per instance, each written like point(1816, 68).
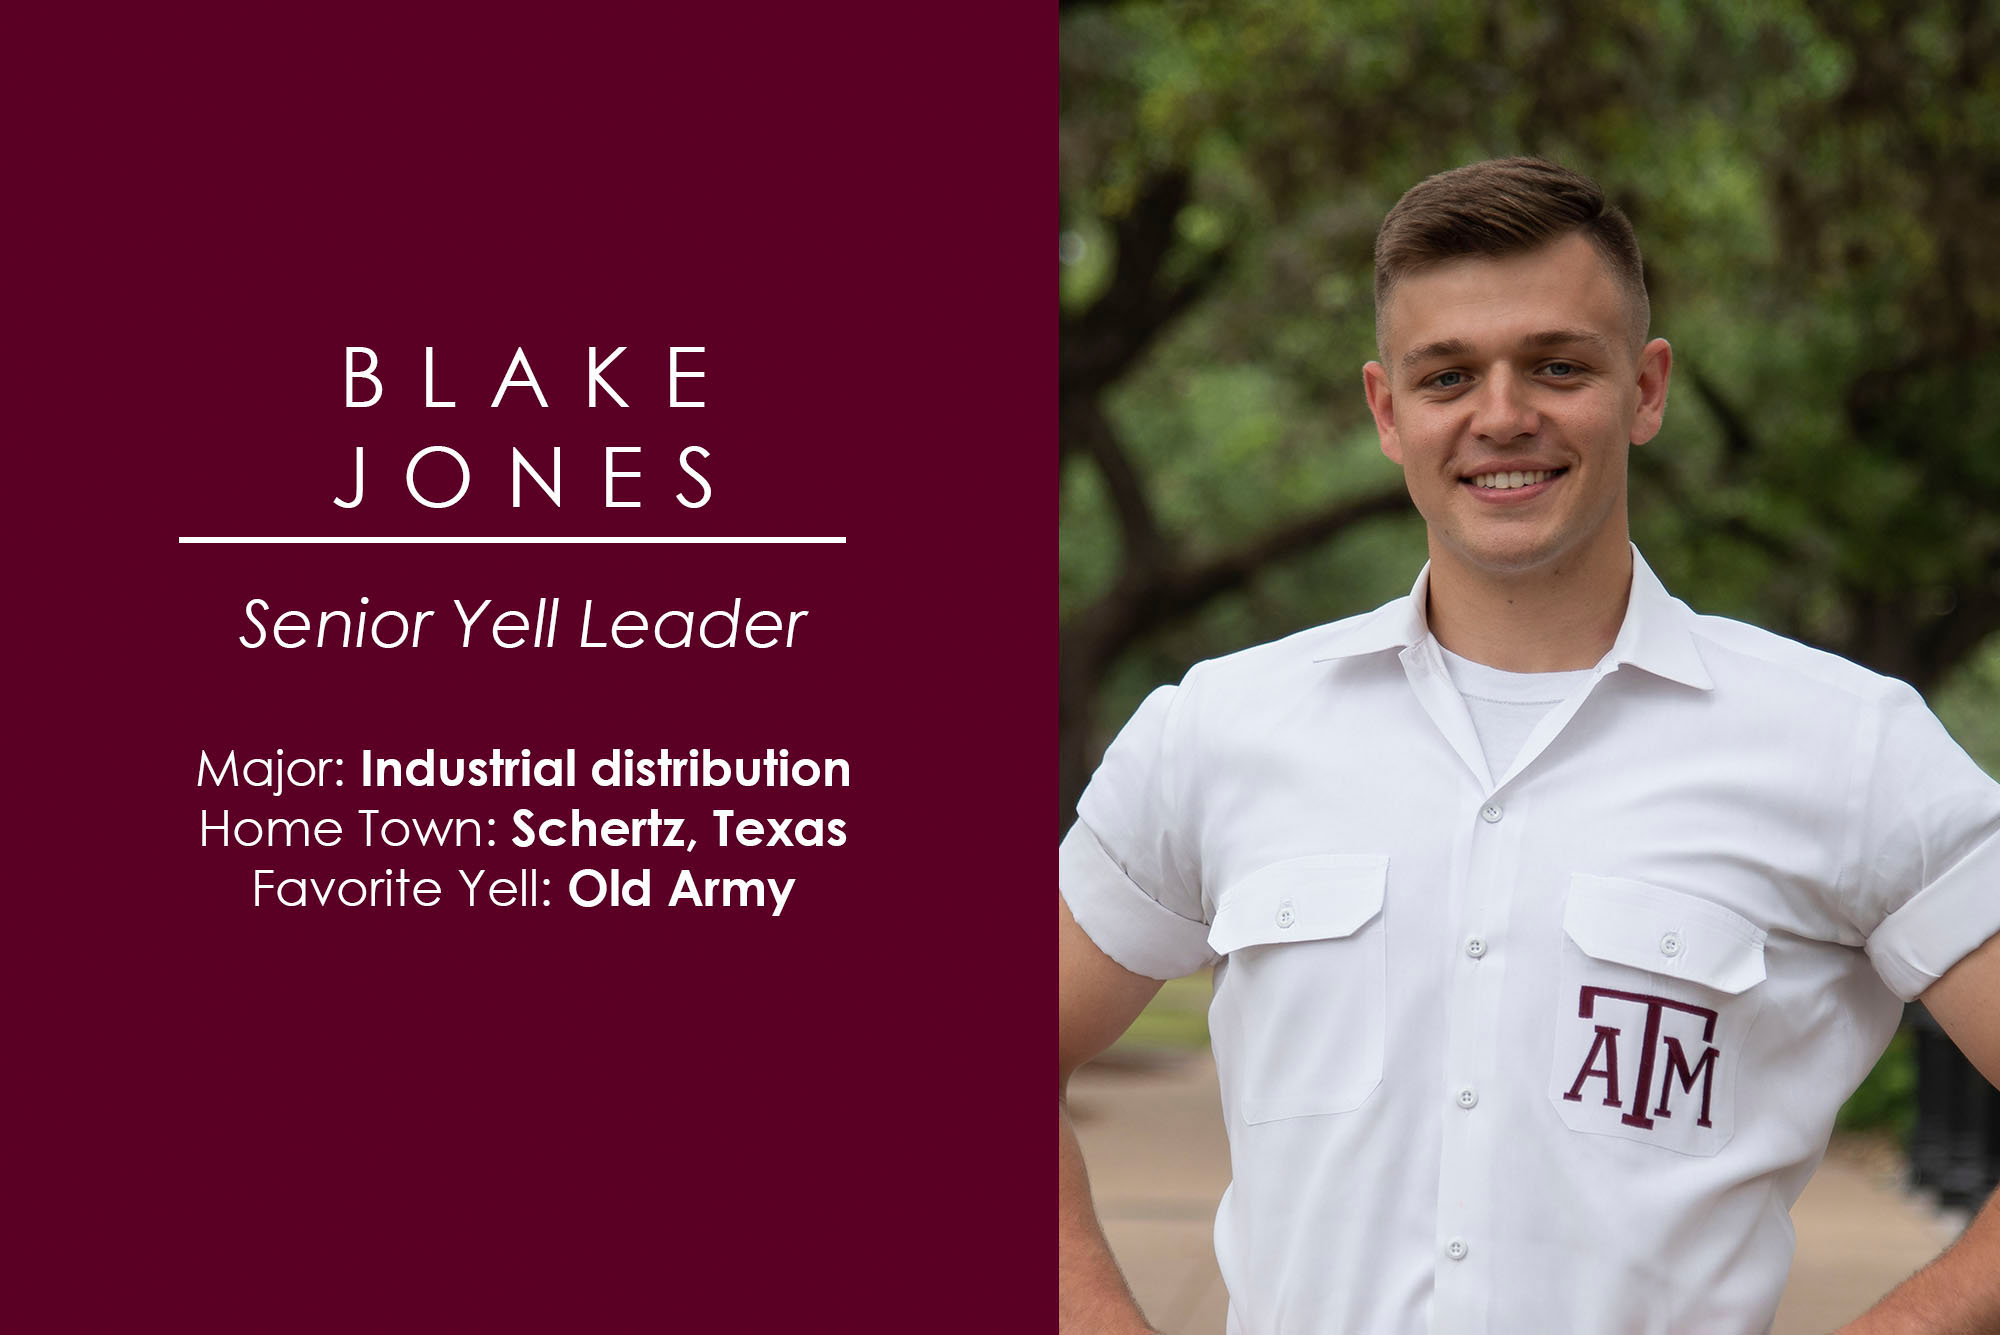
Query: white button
point(1467, 1097)
point(1670, 944)
point(1490, 813)
point(1455, 1249)
point(1475, 947)
point(1285, 915)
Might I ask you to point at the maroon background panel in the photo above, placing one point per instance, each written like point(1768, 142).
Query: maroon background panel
point(550, 1117)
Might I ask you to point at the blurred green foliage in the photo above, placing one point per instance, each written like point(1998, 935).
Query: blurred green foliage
point(1887, 1099)
point(1177, 1017)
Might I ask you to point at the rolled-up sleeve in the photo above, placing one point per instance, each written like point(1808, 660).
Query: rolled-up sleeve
point(1929, 879)
point(1123, 871)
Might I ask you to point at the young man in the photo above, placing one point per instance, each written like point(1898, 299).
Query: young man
point(1553, 922)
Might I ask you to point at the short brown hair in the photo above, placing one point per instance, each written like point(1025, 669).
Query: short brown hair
point(1504, 207)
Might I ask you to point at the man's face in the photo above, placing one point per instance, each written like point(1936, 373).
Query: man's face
point(1509, 392)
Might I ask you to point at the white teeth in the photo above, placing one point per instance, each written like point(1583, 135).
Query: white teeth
point(1509, 481)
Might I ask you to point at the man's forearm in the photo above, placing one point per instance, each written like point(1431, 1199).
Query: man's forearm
point(1957, 1294)
point(1093, 1296)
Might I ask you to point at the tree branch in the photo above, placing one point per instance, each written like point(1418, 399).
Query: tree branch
point(1100, 344)
point(1739, 442)
point(1084, 427)
point(1188, 589)
point(1094, 635)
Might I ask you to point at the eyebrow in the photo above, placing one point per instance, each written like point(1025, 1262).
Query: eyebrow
point(1545, 338)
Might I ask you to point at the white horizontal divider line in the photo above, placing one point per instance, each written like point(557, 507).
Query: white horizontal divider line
point(457, 539)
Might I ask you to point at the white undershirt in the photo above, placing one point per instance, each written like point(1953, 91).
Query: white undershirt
point(1506, 706)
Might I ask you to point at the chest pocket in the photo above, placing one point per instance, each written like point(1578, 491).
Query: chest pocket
point(1298, 1013)
point(1659, 990)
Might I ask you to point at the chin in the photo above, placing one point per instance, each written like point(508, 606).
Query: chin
point(1512, 558)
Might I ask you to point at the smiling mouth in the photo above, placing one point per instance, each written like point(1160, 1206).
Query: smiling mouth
point(1510, 481)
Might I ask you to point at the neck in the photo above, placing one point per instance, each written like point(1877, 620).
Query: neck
point(1553, 620)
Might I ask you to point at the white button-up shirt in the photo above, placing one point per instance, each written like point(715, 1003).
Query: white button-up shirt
point(1546, 1051)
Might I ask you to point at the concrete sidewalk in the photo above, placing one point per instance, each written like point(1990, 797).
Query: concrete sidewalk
point(1151, 1129)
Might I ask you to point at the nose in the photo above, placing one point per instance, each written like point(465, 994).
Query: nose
point(1503, 409)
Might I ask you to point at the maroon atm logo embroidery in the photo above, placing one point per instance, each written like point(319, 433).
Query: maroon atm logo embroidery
point(1644, 1059)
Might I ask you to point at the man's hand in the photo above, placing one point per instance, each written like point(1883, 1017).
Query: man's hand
point(1960, 1291)
point(1098, 1000)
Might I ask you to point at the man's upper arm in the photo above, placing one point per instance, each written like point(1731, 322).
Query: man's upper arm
point(1131, 912)
point(1926, 885)
point(1966, 1004)
point(1099, 998)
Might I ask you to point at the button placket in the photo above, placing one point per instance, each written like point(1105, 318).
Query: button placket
point(1491, 853)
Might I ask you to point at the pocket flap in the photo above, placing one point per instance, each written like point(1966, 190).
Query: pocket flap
point(1300, 899)
point(1664, 931)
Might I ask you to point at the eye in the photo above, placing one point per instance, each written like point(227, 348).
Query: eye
point(1448, 380)
point(1562, 370)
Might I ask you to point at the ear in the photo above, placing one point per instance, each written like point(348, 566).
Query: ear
point(1382, 403)
point(1656, 366)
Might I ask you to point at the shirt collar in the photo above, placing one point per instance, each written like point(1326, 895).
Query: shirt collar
point(1657, 634)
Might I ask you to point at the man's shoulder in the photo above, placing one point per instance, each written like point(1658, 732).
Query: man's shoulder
point(1771, 659)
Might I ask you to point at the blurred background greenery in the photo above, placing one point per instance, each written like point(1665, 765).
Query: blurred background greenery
point(1816, 184)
